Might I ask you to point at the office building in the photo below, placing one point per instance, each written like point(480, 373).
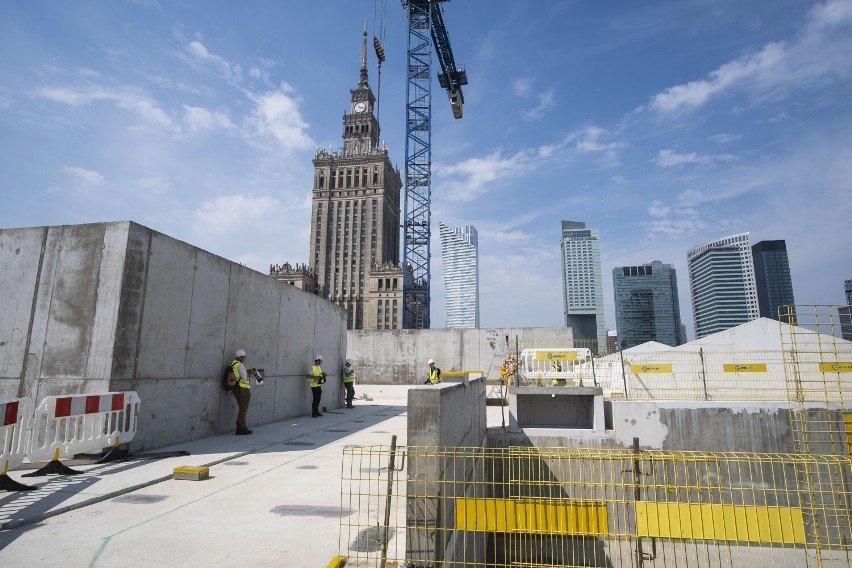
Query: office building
point(582, 284)
point(646, 304)
point(354, 242)
point(772, 278)
point(460, 253)
point(846, 312)
point(721, 282)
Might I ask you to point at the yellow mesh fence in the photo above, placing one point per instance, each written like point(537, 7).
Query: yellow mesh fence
point(523, 506)
point(818, 370)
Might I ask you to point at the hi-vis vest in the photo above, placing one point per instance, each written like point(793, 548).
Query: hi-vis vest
point(434, 375)
point(348, 375)
point(235, 369)
point(316, 371)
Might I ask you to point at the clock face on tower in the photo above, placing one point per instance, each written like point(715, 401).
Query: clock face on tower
point(360, 107)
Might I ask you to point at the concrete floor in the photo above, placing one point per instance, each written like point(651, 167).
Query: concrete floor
point(274, 501)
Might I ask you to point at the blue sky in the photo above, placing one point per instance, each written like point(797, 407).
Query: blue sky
point(674, 120)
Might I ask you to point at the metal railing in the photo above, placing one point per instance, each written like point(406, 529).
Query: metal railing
point(524, 506)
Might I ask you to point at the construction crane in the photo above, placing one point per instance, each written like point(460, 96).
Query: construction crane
point(425, 29)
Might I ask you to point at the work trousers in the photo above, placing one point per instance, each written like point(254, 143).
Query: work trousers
point(243, 397)
point(350, 392)
point(316, 392)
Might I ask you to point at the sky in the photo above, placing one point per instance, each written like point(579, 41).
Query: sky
point(662, 123)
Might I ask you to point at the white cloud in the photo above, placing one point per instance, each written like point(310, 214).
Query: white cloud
point(123, 97)
point(276, 116)
point(668, 158)
point(522, 87)
point(822, 51)
point(657, 209)
point(593, 139)
point(546, 100)
point(88, 176)
point(230, 71)
point(198, 119)
point(724, 138)
point(474, 174)
point(247, 212)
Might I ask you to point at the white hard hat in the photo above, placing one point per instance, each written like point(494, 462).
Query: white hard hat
point(349, 361)
point(240, 353)
point(431, 361)
point(317, 357)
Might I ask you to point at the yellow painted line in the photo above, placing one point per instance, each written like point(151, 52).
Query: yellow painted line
point(561, 516)
point(556, 356)
point(744, 367)
point(742, 523)
point(836, 367)
point(651, 368)
point(337, 562)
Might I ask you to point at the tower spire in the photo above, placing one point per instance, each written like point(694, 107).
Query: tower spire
point(364, 58)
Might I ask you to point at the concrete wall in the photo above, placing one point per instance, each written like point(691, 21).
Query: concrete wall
point(700, 426)
point(118, 306)
point(400, 356)
point(452, 417)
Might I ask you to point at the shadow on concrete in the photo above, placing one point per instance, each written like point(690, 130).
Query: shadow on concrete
point(51, 494)
point(333, 426)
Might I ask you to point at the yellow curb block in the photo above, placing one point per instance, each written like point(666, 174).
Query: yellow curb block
point(191, 473)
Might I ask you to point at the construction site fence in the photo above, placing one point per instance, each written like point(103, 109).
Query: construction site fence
point(526, 506)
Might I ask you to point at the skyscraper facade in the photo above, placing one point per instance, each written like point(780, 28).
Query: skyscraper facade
point(772, 277)
point(646, 304)
point(721, 281)
point(846, 312)
point(460, 252)
point(355, 218)
point(582, 284)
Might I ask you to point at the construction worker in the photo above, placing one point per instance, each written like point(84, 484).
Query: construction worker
point(241, 391)
point(316, 378)
point(348, 374)
point(434, 374)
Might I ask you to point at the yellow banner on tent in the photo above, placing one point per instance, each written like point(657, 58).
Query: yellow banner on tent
point(836, 367)
point(556, 356)
point(744, 367)
point(651, 368)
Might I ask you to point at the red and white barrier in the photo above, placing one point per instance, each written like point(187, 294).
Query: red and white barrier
point(15, 416)
point(67, 425)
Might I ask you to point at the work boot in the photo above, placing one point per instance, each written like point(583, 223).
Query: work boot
point(243, 431)
point(317, 415)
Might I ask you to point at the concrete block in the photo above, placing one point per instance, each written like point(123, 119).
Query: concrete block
point(72, 302)
point(206, 354)
point(556, 407)
point(111, 269)
point(165, 317)
point(191, 473)
point(20, 261)
point(133, 288)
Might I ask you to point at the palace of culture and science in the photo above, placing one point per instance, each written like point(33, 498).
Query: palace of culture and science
point(354, 245)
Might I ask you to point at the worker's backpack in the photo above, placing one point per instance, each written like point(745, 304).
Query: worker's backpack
point(229, 379)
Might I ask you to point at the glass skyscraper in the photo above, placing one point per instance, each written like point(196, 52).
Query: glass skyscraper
point(846, 312)
point(460, 252)
point(646, 304)
point(582, 284)
point(721, 280)
point(772, 277)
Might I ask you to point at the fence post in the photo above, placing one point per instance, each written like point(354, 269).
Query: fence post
point(594, 376)
point(386, 536)
point(703, 373)
point(637, 496)
point(623, 375)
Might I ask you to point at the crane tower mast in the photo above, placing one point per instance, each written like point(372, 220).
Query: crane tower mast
point(425, 28)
